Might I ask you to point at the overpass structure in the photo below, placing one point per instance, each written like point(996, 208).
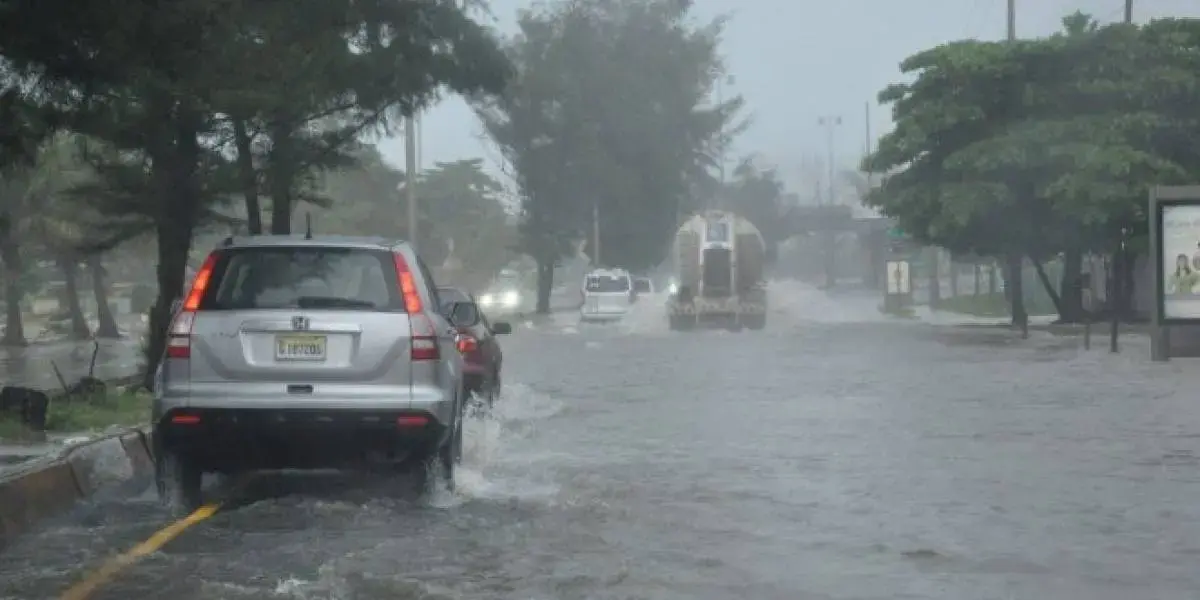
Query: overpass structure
point(836, 221)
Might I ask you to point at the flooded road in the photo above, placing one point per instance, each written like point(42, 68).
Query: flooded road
point(835, 455)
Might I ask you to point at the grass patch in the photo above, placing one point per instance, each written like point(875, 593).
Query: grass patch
point(118, 408)
point(11, 429)
point(983, 305)
point(127, 408)
point(904, 312)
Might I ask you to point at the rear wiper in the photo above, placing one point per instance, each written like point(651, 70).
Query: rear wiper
point(332, 302)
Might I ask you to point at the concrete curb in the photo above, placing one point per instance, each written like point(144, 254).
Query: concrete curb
point(52, 485)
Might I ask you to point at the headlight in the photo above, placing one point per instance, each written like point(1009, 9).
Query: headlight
point(487, 300)
point(511, 299)
point(672, 288)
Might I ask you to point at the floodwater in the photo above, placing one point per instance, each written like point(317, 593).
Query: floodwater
point(838, 454)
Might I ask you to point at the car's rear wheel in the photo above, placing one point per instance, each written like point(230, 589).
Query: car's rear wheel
point(178, 479)
point(438, 466)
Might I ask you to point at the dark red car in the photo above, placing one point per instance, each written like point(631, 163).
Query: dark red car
point(479, 346)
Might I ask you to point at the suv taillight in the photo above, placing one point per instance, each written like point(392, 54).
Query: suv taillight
point(424, 338)
point(179, 335)
point(467, 344)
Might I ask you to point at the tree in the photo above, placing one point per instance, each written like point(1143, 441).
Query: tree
point(607, 116)
point(1029, 149)
point(466, 218)
point(163, 85)
point(458, 201)
point(758, 196)
point(23, 130)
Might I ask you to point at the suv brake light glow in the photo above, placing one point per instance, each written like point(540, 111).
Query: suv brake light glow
point(179, 336)
point(467, 343)
point(408, 288)
point(424, 337)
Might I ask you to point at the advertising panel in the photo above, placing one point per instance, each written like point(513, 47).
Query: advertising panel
point(898, 280)
point(1181, 261)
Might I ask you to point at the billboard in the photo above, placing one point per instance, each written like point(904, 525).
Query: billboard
point(1180, 261)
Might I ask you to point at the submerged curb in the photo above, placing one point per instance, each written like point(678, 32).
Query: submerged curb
point(52, 485)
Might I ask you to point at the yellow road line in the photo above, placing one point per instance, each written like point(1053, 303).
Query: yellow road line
point(91, 583)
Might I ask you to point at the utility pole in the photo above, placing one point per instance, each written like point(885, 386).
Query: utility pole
point(721, 81)
point(410, 176)
point(721, 101)
point(1129, 12)
point(830, 123)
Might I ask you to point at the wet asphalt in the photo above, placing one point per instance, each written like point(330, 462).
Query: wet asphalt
point(836, 455)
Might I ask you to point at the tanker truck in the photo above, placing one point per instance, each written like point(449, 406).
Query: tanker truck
point(718, 261)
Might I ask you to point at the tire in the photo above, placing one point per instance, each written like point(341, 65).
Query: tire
point(480, 402)
point(438, 465)
point(757, 322)
point(178, 480)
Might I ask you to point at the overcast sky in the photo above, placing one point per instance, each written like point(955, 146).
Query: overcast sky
point(797, 60)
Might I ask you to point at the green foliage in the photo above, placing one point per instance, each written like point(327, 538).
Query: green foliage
point(193, 103)
point(757, 195)
point(608, 110)
point(1039, 146)
point(457, 201)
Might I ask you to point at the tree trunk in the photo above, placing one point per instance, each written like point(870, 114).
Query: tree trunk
point(281, 179)
point(247, 176)
point(935, 284)
point(1128, 286)
point(1014, 288)
point(977, 272)
point(1049, 287)
point(107, 326)
point(70, 272)
point(1071, 288)
point(173, 171)
point(953, 278)
point(545, 283)
point(10, 253)
point(992, 278)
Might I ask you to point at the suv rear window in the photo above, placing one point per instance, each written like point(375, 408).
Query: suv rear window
point(606, 283)
point(305, 277)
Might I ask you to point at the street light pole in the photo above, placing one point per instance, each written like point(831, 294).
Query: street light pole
point(720, 89)
point(830, 122)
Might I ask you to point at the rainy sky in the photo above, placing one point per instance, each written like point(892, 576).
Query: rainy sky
point(797, 60)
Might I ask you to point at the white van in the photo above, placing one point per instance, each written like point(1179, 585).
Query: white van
point(606, 295)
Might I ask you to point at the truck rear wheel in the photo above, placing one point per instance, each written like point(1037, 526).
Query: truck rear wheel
point(755, 322)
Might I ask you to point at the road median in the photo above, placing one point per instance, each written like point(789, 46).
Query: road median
point(52, 485)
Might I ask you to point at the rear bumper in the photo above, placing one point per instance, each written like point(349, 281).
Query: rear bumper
point(231, 440)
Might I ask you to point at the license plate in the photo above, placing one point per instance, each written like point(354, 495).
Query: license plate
point(300, 347)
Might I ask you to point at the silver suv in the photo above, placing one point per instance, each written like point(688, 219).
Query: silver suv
point(297, 352)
